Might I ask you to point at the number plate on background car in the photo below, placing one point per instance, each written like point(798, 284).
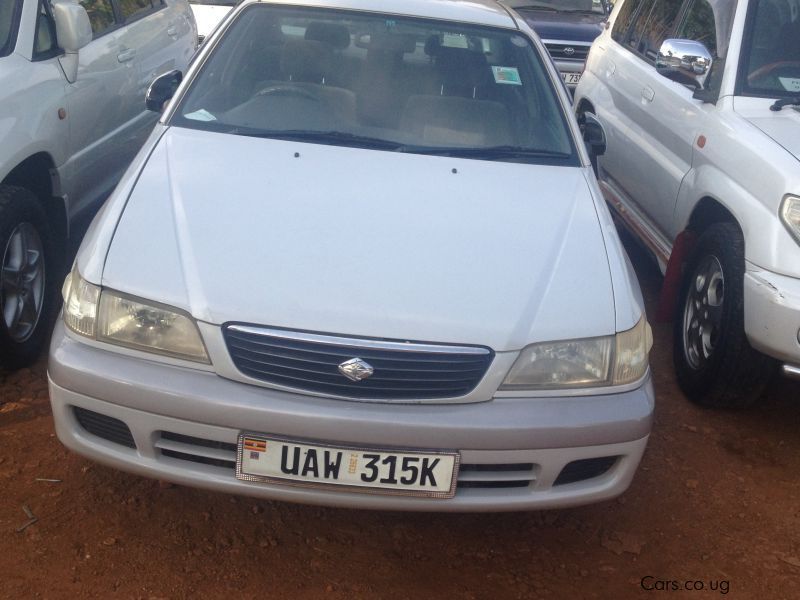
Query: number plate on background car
point(378, 471)
point(571, 78)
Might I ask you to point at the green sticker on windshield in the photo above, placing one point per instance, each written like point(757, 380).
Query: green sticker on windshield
point(506, 75)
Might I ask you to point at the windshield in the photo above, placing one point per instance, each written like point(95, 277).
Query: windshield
point(770, 63)
point(378, 81)
point(9, 11)
point(585, 6)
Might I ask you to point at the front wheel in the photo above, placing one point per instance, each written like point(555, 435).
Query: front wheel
point(714, 362)
point(26, 286)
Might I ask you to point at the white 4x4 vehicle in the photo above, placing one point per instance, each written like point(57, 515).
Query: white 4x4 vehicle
point(699, 100)
point(73, 78)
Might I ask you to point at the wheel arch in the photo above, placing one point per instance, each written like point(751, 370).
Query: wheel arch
point(706, 212)
point(38, 174)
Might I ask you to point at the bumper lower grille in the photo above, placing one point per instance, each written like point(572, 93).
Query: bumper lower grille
point(402, 371)
point(107, 428)
point(587, 468)
point(197, 450)
point(508, 475)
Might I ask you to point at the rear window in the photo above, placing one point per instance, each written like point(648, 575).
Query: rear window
point(9, 15)
point(383, 81)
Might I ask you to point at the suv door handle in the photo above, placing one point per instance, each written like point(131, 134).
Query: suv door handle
point(126, 55)
point(648, 94)
point(172, 31)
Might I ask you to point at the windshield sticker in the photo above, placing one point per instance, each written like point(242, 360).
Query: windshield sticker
point(454, 40)
point(201, 115)
point(790, 84)
point(506, 75)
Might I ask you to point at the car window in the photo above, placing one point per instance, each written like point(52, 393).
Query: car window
point(9, 14)
point(427, 86)
point(131, 9)
point(44, 44)
point(652, 28)
point(101, 15)
point(770, 61)
point(699, 25)
point(627, 14)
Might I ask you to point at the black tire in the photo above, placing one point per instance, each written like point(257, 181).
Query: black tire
point(715, 365)
point(19, 347)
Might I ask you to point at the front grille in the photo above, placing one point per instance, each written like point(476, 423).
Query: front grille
point(561, 51)
point(587, 468)
point(402, 371)
point(197, 450)
point(509, 475)
point(108, 428)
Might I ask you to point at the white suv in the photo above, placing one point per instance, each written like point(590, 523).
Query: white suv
point(699, 100)
point(73, 77)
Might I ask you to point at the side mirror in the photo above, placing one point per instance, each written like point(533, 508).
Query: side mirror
point(684, 61)
point(594, 136)
point(162, 90)
point(73, 32)
point(73, 29)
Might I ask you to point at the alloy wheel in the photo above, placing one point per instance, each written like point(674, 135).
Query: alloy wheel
point(702, 314)
point(22, 282)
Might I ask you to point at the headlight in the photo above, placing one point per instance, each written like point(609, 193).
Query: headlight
point(611, 360)
point(109, 316)
point(790, 215)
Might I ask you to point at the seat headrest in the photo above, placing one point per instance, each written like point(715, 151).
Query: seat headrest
point(336, 36)
point(395, 43)
point(305, 60)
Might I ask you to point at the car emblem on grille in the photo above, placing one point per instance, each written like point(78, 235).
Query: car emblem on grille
point(569, 50)
point(356, 369)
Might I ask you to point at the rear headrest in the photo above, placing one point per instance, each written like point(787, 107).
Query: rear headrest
point(336, 36)
point(305, 60)
point(399, 43)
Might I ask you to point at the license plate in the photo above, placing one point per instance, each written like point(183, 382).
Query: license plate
point(428, 473)
point(570, 78)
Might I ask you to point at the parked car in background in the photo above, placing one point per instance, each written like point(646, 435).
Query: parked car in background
point(208, 14)
point(700, 101)
point(385, 276)
point(567, 28)
point(72, 79)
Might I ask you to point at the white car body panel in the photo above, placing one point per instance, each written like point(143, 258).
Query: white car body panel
point(338, 237)
point(748, 161)
point(106, 121)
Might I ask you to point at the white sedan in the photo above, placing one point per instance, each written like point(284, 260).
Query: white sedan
point(363, 261)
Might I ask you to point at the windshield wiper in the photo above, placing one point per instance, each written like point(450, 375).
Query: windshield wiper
point(790, 101)
point(487, 152)
point(322, 137)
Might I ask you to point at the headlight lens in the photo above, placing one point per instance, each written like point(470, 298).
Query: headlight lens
point(134, 323)
point(790, 215)
point(611, 360)
point(80, 304)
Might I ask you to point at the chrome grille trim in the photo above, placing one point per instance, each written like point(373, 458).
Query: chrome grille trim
point(309, 362)
point(359, 342)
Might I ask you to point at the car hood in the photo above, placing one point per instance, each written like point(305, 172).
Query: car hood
point(570, 27)
point(782, 126)
point(364, 242)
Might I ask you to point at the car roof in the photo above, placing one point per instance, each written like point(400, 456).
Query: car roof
point(479, 12)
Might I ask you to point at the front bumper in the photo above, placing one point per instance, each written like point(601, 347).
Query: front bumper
point(772, 314)
point(184, 421)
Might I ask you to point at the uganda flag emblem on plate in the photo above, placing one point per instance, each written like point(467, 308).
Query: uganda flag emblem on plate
point(255, 444)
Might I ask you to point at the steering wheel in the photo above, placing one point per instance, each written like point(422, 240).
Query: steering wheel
point(287, 90)
point(770, 68)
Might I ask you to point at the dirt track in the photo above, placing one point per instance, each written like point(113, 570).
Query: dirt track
point(716, 503)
